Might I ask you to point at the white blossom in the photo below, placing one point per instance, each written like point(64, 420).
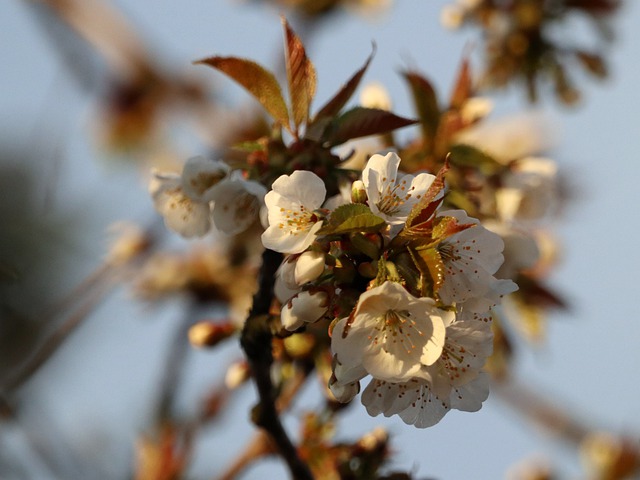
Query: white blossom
point(392, 196)
point(236, 203)
point(455, 380)
point(471, 258)
point(291, 206)
point(529, 191)
point(391, 333)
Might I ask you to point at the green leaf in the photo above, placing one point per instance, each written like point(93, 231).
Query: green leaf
point(257, 80)
point(301, 76)
point(426, 103)
point(335, 104)
point(362, 122)
point(463, 155)
point(354, 217)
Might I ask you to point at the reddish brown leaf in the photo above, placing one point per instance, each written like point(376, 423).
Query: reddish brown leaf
point(333, 106)
point(361, 122)
point(425, 208)
point(301, 76)
point(426, 103)
point(258, 81)
point(463, 89)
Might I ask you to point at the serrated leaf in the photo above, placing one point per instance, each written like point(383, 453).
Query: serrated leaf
point(463, 155)
point(257, 80)
point(463, 89)
point(423, 210)
point(351, 218)
point(426, 103)
point(362, 122)
point(339, 100)
point(301, 76)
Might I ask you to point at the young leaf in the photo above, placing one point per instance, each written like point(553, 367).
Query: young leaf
point(301, 76)
point(354, 217)
point(258, 81)
point(463, 89)
point(362, 122)
point(467, 156)
point(444, 227)
point(333, 106)
point(425, 208)
point(426, 103)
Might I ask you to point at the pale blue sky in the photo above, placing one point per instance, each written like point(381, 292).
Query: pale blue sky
point(590, 360)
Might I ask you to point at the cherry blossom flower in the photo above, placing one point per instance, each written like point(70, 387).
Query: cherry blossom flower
point(455, 380)
point(236, 203)
point(471, 257)
point(291, 205)
point(182, 214)
point(183, 199)
point(392, 197)
point(529, 191)
point(391, 333)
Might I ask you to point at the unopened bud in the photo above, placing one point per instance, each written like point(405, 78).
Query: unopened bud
point(304, 307)
point(209, 334)
point(343, 393)
point(237, 374)
point(358, 192)
point(308, 267)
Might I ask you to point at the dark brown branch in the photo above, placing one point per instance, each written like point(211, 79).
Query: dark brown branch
point(256, 342)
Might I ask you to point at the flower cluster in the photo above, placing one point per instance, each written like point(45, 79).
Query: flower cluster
point(408, 286)
point(206, 193)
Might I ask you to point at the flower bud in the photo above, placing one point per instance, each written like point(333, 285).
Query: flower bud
point(236, 375)
point(303, 307)
point(358, 192)
point(343, 393)
point(308, 267)
point(209, 334)
point(375, 95)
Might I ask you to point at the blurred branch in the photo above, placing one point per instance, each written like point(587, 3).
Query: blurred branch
point(542, 411)
point(88, 294)
point(261, 445)
point(256, 342)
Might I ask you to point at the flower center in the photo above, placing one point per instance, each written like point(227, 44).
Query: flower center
point(296, 221)
point(397, 329)
point(393, 197)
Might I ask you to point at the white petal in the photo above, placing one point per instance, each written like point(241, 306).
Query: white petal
point(308, 267)
point(201, 174)
point(303, 307)
point(181, 214)
point(302, 187)
point(469, 397)
point(237, 204)
point(274, 239)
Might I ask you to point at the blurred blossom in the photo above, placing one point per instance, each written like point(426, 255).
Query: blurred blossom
point(375, 95)
point(512, 137)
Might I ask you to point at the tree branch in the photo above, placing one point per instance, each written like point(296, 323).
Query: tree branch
point(256, 342)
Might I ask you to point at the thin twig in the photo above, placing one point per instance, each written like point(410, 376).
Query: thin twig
point(256, 342)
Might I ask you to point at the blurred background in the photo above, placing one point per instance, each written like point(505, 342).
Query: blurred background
point(72, 164)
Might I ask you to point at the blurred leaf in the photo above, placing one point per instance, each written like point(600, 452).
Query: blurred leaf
point(426, 103)
point(301, 76)
point(463, 89)
point(258, 81)
point(333, 106)
point(351, 218)
point(362, 122)
point(462, 155)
